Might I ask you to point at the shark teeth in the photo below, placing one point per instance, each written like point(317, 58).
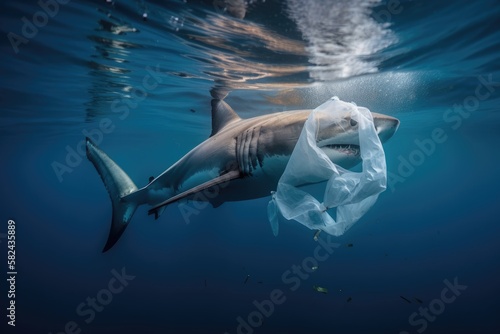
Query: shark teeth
point(345, 148)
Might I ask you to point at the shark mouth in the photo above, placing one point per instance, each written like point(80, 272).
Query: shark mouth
point(345, 148)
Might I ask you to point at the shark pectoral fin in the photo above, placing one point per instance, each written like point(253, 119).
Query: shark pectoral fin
point(218, 181)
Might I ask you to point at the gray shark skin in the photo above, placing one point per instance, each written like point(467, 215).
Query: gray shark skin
point(242, 159)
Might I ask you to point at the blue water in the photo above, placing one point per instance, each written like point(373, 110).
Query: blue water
point(84, 70)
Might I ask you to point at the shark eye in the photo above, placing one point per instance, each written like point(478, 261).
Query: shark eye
point(353, 122)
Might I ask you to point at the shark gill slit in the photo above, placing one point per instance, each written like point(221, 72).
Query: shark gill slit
point(253, 148)
point(246, 157)
point(247, 148)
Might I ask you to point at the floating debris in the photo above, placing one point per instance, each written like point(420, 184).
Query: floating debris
point(192, 110)
point(145, 16)
point(246, 279)
point(181, 74)
point(320, 289)
point(403, 298)
point(314, 268)
point(350, 245)
point(349, 299)
point(316, 235)
point(418, 300)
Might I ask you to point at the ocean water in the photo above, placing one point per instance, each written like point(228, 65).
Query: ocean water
point(137, 77)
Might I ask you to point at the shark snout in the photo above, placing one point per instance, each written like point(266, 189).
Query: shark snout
point(385, 125)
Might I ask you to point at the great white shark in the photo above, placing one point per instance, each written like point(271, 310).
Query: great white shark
point(242, 159)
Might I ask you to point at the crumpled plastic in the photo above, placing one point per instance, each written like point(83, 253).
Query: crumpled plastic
point(351, 193)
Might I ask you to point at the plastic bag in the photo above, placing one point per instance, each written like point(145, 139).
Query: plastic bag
point(352, 193)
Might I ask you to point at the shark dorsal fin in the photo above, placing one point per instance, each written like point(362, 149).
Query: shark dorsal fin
point(222, 115)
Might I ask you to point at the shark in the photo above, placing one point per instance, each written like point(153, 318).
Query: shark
point(242, 159)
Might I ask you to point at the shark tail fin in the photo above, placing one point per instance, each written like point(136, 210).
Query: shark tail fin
point(119, 185)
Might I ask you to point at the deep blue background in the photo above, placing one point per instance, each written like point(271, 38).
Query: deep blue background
point(440, 223)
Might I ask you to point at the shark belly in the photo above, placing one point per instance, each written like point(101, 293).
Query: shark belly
point(260, 183)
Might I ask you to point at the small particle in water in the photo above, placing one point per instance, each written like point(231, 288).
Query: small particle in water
point(246, 279)
point(349, 299)
point(316, 235)
point(350, 245)
point(417, 300)
point(408, 301)
point(320, 289)
point(192, 110)
point(176, 23)
point(145, 16)
point(314, 268)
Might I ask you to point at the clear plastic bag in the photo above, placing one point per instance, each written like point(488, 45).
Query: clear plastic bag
point(351, 193)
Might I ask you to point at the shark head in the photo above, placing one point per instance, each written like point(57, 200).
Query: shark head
point(340, 139)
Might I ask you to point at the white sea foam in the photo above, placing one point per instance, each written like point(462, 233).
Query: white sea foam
point(342, 36)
